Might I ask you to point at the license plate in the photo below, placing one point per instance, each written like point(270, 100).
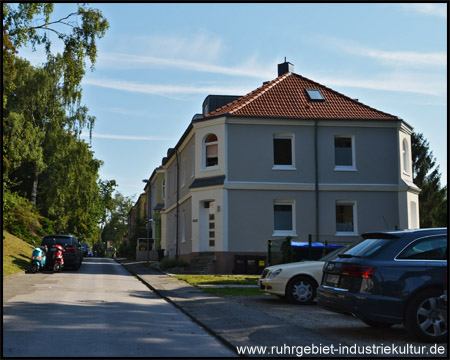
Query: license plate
point(332, 279)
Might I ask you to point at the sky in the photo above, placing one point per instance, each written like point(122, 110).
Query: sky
point(158, 62)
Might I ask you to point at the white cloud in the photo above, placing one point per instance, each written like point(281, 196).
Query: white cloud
point(247, 69)
point(162, 90)
point(198, 46)
point(390, 58)
point(439, 10)
point(128, 137)
point(400, 82)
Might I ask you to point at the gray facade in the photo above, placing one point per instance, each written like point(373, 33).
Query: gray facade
point(235, 181)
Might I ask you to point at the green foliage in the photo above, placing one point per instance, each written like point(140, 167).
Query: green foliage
point(287, 253)
point(167, 263)
point(433, 197)
point(31, 23)
point(47, 226)
point(20, 218)
point(44, 159)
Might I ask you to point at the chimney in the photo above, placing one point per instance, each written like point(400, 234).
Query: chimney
point(285, 67)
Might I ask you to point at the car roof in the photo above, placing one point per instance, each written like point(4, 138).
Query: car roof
point(399, 233)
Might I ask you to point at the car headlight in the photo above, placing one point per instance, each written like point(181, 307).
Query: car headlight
point(274, 274)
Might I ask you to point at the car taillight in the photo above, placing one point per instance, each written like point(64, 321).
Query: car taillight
point(70, 249)
point(365, 272)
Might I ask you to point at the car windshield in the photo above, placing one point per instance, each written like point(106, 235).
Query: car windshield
point(366, 248)
point(57, 241)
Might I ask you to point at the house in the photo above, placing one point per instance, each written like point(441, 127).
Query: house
point(154, 191)
point(291, 158)
point(136, 215)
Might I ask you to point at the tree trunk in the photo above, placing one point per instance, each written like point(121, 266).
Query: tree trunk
point(35, 185)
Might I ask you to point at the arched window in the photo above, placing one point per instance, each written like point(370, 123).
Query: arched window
point(211, 151)
point(405, 152)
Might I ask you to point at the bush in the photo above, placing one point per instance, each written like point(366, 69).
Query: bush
point(20, 218)
point(167, 263)
point(46, 226)
point(287, 253)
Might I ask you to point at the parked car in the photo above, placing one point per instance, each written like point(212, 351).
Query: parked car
point(84, 249)
point(72, 255)
point(389, 278)
point(296, 281)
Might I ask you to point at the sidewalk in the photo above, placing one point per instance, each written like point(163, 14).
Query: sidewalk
point(232, 323)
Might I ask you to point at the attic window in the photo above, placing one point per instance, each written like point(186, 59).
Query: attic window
point(315, 95)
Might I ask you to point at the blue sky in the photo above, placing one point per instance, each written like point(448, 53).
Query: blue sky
point(158, 62)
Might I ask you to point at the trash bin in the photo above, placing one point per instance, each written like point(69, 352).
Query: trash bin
point(261, 264)
point(240, 264)
point(252, 264)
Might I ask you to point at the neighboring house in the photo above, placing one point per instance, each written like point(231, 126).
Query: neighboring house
point(156, 204)
point(138, 211)
point(291, 158)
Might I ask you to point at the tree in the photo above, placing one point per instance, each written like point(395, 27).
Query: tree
point(30, 23)
point(116, 226)
point(39, 100)
point(433, 197)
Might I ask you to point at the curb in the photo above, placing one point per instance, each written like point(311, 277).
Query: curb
point(179, 307)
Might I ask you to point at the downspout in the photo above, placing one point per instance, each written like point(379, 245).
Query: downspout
point(316, 177)
point(178, 199)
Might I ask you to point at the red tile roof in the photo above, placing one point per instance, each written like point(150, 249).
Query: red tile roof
point(285, 97)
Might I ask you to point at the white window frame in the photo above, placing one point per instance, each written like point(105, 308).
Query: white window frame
point(183, 227)
point(213, 167)
point(355, 218)
point(291, 232)
point(290, 136)
point(345, 167)
point(405, 156)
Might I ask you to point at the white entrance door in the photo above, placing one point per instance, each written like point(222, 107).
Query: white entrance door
point(207, 226)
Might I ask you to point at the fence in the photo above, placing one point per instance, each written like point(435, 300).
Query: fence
point(314, 248)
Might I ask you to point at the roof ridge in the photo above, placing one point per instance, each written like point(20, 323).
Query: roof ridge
point(269, 85)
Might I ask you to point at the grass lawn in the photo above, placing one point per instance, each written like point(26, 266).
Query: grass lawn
point(233, 291)
point(219, 279)
point(16, 254)
point(197, 280)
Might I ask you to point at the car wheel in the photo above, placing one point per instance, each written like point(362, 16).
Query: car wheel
point(424, 319)
point(376, 324)
point(301, 290)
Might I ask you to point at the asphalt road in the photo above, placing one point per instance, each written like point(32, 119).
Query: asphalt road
point(100, 310)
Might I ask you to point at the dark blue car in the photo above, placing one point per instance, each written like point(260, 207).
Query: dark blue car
point(389, 278)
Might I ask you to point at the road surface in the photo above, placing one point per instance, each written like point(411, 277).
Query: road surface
point(100, 310)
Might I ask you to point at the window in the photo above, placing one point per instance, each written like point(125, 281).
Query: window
point(211, 151)
point(344, 154)
point(183, 227)
point(315, 95)
point(183, 171)
point(346, 217)
point(426, 249)
point(163, 189)
point(405, 153)
point(283, 212)
point(283, 151)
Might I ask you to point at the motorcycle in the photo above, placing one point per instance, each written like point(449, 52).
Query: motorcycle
point(38, 258)
point(58, 260)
